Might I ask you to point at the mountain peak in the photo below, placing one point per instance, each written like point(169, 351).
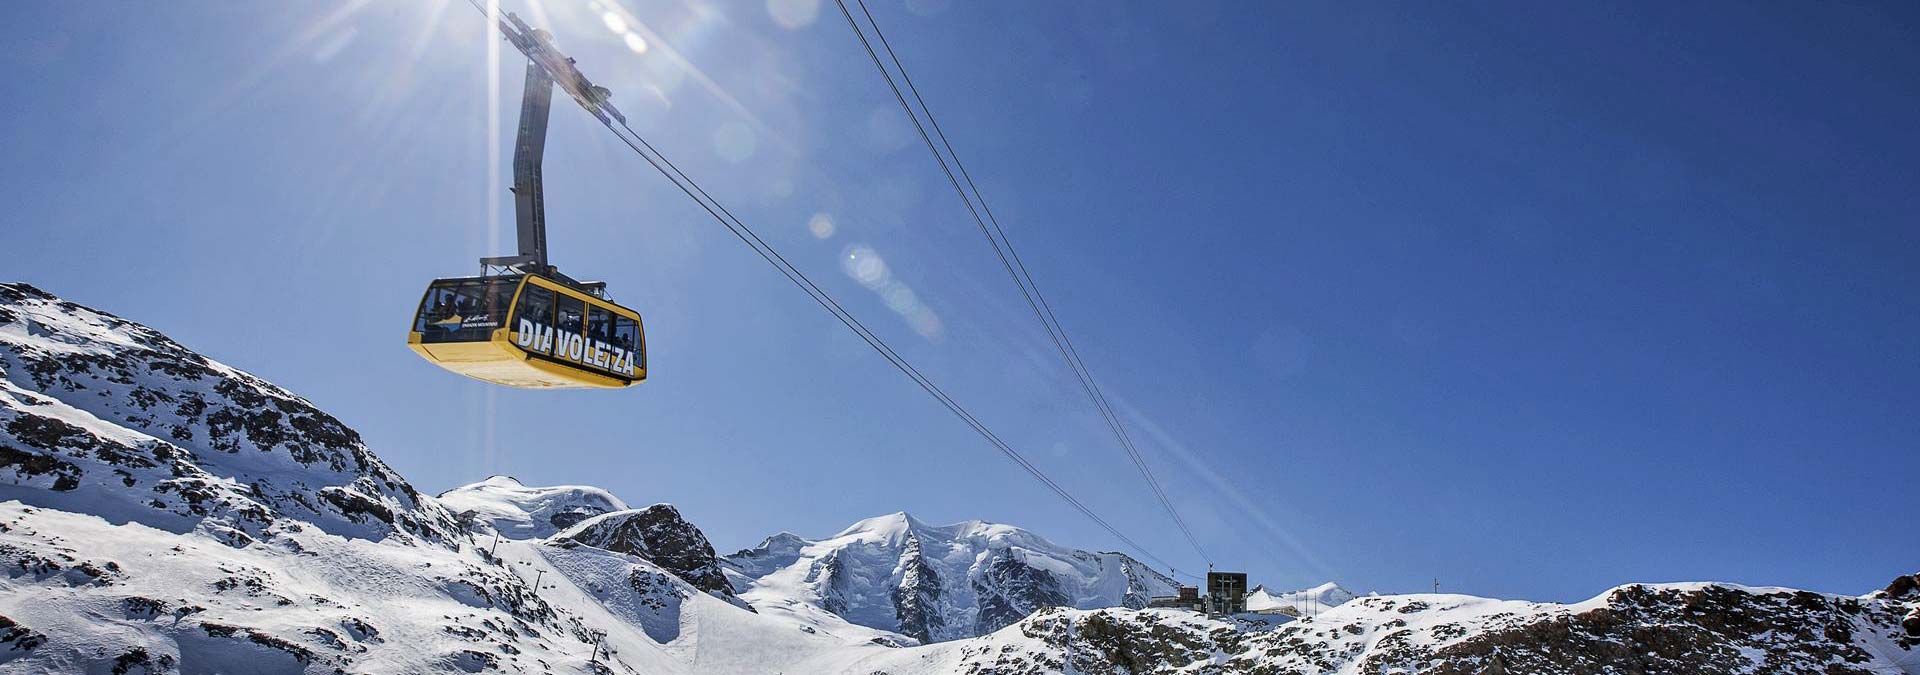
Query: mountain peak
point(519, 511)
point(890, 526)
point(1305, 601)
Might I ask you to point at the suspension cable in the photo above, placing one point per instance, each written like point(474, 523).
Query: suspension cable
point(1010, 259)
point(772, 256)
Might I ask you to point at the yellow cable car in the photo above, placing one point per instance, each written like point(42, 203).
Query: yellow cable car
point(522, 323)
point(528, 331)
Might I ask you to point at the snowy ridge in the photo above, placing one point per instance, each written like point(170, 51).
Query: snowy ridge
point(659, 535)
point(1305, 602)
point(1643, 628)
point(106, 416)
point(520, 512)
point(896, 574)
point(163, 513)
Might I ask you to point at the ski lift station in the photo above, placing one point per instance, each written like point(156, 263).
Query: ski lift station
point(1226, 594)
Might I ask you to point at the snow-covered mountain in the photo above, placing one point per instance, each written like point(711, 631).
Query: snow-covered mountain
point(658, 534)
point(163, 513)
point(109, 417)
point(578, 514)
point(894, 573)
point(1304, 602)
point(520, 512)
point(1641, 628)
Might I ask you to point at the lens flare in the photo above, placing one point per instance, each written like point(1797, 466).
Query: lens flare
point(821, 225)
point(615, 22)
point(865, 265)
point(793, 14)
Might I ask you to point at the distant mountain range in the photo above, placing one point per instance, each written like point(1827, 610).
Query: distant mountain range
point(896, 574)
point(163, 513)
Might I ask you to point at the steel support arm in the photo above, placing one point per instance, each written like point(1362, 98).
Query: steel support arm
point(529, 198)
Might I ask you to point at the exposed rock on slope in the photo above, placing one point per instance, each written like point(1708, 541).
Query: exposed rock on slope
point(1663, 628)
point(658, 534)
point(574, 515)
point(103, 415)
point(897, 574)
point(162, 513)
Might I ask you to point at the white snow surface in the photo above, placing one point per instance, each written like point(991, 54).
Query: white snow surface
point(134, 426)
point(163, 513)
point(1304, 602)
point(520, 512)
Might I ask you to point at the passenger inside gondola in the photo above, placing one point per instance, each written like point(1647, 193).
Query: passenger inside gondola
point(570, 311)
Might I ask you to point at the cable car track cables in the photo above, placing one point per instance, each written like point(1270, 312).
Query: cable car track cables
point(772, 256)
point(1010, 258)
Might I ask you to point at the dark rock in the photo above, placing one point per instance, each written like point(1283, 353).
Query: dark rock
point(1902, 585)
point(305, 466)
point(29, 464)
point(916, 600)
point(17, 638)
point(659, 535)
point(1010, 590)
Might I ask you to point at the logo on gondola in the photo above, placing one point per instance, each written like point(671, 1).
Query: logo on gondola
point(541, 338)
point(457, 322)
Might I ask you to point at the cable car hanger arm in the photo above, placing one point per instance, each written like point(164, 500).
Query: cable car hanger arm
point(546, 67)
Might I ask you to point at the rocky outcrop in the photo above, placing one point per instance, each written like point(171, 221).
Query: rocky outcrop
point(1676, 630)
point(916, 599)
point(161, 512)
point(101, 412)
point(657, 534)
point(1008, 590)
point(1709, 629)
point(1905, 589)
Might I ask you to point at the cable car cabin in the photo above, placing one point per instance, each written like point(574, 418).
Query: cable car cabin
point(528, 331)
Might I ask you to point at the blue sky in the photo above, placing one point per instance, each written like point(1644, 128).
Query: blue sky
point(1535, 298)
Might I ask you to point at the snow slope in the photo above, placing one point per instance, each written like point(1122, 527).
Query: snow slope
point(1657, 628)
point(163, 513)
point(105, 416)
